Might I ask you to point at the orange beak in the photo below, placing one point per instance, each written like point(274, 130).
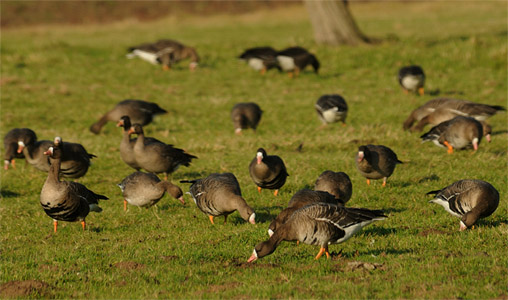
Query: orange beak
point(119, 124)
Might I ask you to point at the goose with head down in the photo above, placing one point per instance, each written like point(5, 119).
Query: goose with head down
point(260, 59)
point(246, 115)
point(376, 162)
point(12, 139)
point(337, 184)
point(165, 52)
point(295, 59)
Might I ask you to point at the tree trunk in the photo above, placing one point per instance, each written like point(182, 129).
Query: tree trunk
point(333, 23)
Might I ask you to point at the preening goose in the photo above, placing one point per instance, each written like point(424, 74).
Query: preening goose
point(165, 52)
point(376, 162)
point(64, 200)
point(219, 194)
point(457, 133)
point(336, 183)
point(268, 171)
point(245, 115)
point(319, 224)
point(146, 189)
point(260, 58)
point(467, 199)
point(11, 140)
point(300, 199)
point(331, 108)
point(295, 59)
point(157, 157)
point(412, 79)
point(139, 111)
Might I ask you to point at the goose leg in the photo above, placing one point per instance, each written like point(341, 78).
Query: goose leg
point(13, 162)
point(263, 71)
point(421, 91)
point(259, 189)
point(384, 181)
point(450, 148)
point(124, 205)
point(323, 250)
point(166, 68)
point(83, 225)
point(55, 225)
point(276, 193)
point(211, 219)
point(225, 218)
point(368, 181)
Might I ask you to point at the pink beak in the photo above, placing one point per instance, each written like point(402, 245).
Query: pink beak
point(181, 200)
point(359, 158)
point(475, 146)
point(488, 138)
point(252, 258)
point(260, 158)
point(20, 149)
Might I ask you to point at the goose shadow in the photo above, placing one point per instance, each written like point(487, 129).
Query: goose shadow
point(8, 194)
point(379, 231)
point(432, 177)
point(380, 252)
point(499, 132)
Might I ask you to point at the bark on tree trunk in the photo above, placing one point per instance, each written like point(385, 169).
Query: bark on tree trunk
point(333, 23)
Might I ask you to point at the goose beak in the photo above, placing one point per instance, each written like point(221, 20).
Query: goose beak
point(253, 257)
point(238, 131)
point(475, 144)
point(21, 145)
point(119, 124)
point(49, 151)
point(181, 200)
point(252, 218)
point(131, 130)
point(487, 137)
point(462, 226)
point(360, 156)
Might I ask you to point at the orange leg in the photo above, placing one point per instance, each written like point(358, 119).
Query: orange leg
point(297, 243)
point(259, 189)
point(55, 225)
point(406, 91)
point(211, 219)
point(165, 68)
point(276, 193)
point(225, 219)
point(291, 75)
point(450, 148)
point(124, 205)
point(421, 91)
point(368, 181)
point(13, 163)
point(344, 124)
point(83, 224)
point(384, 181)
point(297, 71)
point(323, 250)
point(263, 71)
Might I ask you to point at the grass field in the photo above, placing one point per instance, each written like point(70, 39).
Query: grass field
point(58, 80)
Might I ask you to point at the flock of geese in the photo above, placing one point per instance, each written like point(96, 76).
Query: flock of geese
point(316, 217)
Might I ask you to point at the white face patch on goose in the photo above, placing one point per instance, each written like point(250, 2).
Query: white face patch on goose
point(20, 143)
point(270, 232)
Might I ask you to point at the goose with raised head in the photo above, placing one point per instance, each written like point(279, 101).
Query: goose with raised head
point(331, 109)
point(219, 194)
point(457, 133)
point(376, 162)
point(11, 141)
point(158, 157)
point(319, 224)
point(66, 200)
point(139, 111)
point(245, 115)
point(412, 79)
point(336, 183)
point(295, 59)
point(468, 199)
point(268, 171)
point(146, 189)
point(260, 59)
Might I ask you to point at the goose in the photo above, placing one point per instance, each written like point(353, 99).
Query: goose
point(146, 189)
point(139, 111)
point(158, 157)
point(165, 52)
point(300, 199)
point(268, 171)
point(376, 162)
point(75, 160)
point(64, 200)
point(219, 194)
point(127, 144)
point(412, 78)
point(467, 199)
point(295, 59)
point(319, 224)
point(439, 110)
point(331, 109)
point(11, 140)
point(336, 183)
point(459, 132)
point(260, 58)
point(245, 115)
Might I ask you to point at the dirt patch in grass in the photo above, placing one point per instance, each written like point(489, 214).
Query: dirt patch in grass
point(352, 266)
point(431, 231)
point(246, 265)
point(15, 289)
point(129, 265)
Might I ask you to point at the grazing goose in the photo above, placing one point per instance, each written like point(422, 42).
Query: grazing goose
point(11, 140)
point(295, 59)
point(300, 199)
point(219, 194)
point(260, 58)
point(165, 52)
point(146, 189)
point(467, 199)
point(268, 171)
point(319, 224)
point(439, 110)
point(158, 157)
point(459, 132)
point(64, 200)
point(412, 79)
point(336, 183)
point(127, 144)
point(331, 108)
point(376, 162)
point(245, 115)
point(139, 111)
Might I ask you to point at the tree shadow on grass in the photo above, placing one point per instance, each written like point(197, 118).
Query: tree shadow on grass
point(262, 216)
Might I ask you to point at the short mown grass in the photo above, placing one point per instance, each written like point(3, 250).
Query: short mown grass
point(58, 80)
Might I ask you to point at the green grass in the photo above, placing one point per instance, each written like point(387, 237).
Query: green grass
point(58, 80)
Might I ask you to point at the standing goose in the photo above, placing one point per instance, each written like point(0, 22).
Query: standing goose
point(331, 108)
point(219, 194)
point(260, 58)
point(11, 141)
point(295, 59)
point(300, 199)
point(336, 183)
point(139, 111)
point(467, 199)
point(165, 52)
point(158, 157)
point(376, 162)
point(412, 79)
point(146, 189)
point(319, 224)
point(268, 171)
point(127, 144)
point(245, 115)
point(439, 110)
point(459, 132)
point(64, 200)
